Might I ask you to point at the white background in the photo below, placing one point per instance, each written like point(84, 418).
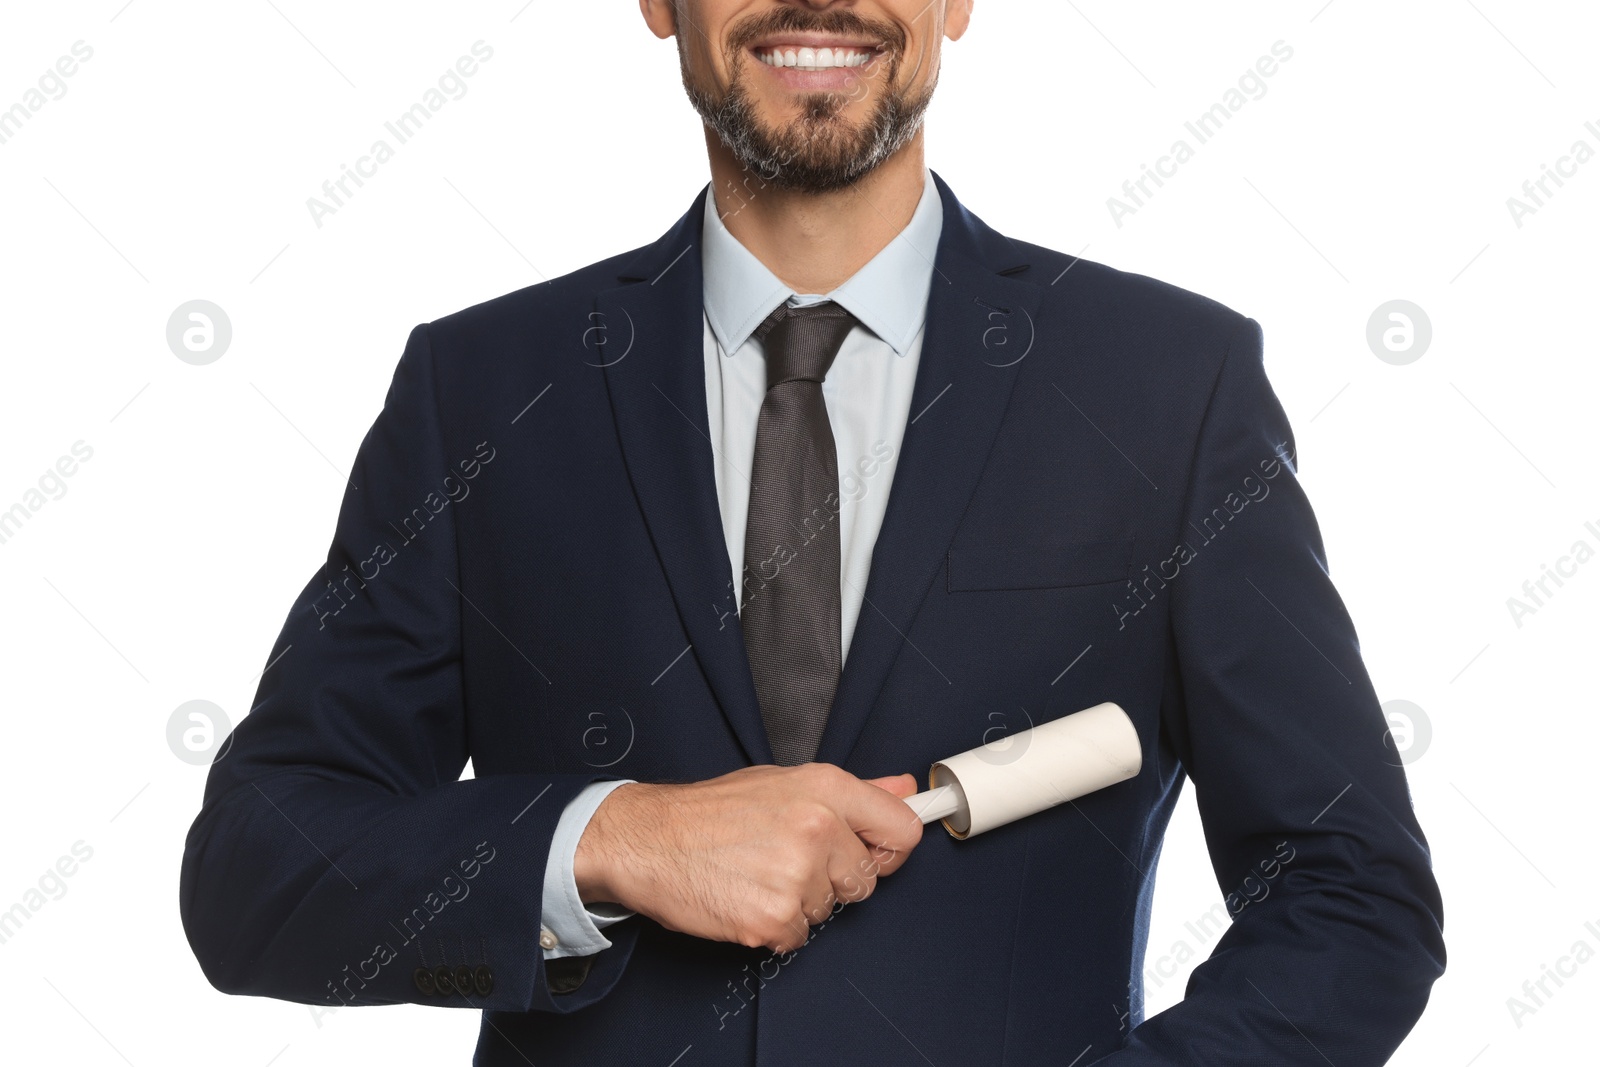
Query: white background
point(177, 166)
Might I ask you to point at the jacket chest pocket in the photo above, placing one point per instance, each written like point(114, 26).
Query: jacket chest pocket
point(1038, 564)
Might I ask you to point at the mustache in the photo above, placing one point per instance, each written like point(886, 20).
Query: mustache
point(838, 21)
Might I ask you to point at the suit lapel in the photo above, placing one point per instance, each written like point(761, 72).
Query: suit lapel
point(650, 334)
point(980, 327)
point(651, 330)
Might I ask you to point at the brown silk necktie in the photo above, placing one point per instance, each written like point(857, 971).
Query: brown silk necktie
point(790, 594)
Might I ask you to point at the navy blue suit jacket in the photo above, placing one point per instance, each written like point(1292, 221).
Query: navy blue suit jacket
point(1096, 500)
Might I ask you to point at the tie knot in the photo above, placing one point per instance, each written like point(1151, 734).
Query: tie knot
point(800, 343)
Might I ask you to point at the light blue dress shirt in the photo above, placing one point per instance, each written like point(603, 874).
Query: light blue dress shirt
point(868, 395)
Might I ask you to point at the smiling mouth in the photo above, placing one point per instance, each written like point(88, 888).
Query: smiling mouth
point(800, 57)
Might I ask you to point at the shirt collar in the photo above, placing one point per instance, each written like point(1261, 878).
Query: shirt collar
point(888, 295)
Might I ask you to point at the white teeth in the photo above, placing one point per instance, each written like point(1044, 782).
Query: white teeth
point(814, 58)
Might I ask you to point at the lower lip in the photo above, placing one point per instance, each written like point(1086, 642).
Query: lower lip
point(817, 80)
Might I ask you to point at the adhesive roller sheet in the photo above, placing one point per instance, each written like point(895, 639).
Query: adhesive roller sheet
point(1020, 774)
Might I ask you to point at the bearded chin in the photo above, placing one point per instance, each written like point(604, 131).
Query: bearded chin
point(820, 152)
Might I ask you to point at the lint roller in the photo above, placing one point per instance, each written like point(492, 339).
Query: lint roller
point(1019, 774)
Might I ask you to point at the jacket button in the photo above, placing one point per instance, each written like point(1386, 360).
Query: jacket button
point(483, 980)
point(424, 980)
point(444, 980)
point(463, 978)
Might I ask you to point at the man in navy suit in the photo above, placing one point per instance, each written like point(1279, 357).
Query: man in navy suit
point(967, 484)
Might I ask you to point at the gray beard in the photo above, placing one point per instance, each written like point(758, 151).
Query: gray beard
point(818, 153)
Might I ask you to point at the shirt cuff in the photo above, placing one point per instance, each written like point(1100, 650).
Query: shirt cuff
point(568, 927)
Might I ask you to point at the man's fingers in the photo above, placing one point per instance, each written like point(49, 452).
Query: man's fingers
point(879, 816)
point(852, 870)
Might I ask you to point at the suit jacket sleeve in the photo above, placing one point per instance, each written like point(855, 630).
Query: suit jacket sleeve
point(1336, 934)
point(337, 855)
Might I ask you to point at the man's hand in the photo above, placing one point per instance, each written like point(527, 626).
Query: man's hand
point(754, 857)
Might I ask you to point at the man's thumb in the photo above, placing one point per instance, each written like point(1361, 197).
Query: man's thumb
point(901, 785)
